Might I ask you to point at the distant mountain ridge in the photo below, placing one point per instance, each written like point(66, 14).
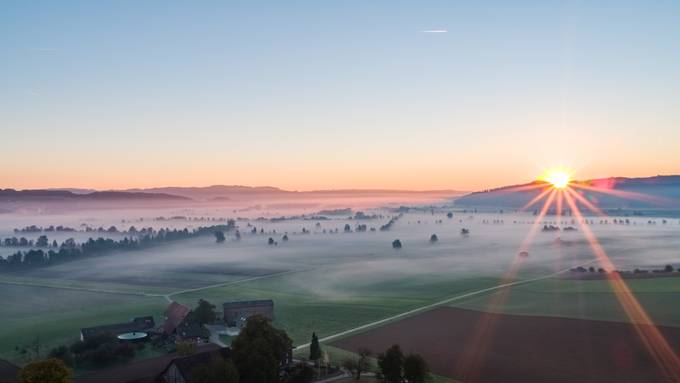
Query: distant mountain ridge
point(35, 195)
point(213, 192)
point(657, 192)
point(227, 192)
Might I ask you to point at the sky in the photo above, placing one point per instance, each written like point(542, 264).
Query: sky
point(329, 95)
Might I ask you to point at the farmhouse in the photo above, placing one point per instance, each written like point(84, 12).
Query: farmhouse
point(174, 316)
point(236, 313)
point(191, 331)
point(179, 370)
point(139, 324)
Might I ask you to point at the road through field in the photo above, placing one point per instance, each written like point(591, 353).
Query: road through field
point(440, 303)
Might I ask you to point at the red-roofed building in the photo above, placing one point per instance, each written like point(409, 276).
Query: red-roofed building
point(174, 316)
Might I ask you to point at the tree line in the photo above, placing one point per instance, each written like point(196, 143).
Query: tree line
point(69, 249)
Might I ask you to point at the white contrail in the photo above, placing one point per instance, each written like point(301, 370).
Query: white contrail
point(434, 31)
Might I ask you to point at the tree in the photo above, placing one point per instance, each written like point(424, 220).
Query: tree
point(270, 241)
point(434, 238)
point(396, 244)
point(364, 362)
point(219, 236)
point(204, 313)
point(314, 349)
point(49, 370)
point(217, 370)
point(284, 238)
point(668, 269)
point(42, 241)
point(260, 350)
point(416, 369)
point(348, 228)
point(390, 364)
point(449, 215)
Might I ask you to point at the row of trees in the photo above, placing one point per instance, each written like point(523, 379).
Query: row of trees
point(390, 223)
point(39, 229)
point(393, 366)
point(396, 367)
point(70, 249)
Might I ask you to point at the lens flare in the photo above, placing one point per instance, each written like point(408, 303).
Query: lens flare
point(559, 188)
point(558, 178)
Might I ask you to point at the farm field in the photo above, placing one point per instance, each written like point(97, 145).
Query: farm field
point(585, 299)
point(330, 283)
point(55, 316)
point(301, 312)
point(537, 349)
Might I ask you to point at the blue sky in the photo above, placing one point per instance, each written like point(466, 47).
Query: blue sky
point(310, 95)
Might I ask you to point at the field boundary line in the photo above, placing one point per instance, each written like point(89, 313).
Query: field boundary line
point(437, 304)
point(142, 293)
point(223, 284)
point(77, 288)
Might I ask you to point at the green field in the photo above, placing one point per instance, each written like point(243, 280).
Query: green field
point(586, 299)
point(301, 312)
point(55, 316)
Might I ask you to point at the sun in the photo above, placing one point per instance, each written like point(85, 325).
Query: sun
point(558, 178)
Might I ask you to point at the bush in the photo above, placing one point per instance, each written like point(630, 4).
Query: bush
point(101, 350)
point(49, 370)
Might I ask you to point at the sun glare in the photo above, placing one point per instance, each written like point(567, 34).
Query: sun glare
point(558, 178)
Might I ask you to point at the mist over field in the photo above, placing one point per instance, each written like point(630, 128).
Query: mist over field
point(338, 263)
point(338, 268)
point(352, 257)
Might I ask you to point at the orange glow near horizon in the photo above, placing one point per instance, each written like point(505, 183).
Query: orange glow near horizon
point(289, 173)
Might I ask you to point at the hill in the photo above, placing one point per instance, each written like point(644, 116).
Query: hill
point(658, 192)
